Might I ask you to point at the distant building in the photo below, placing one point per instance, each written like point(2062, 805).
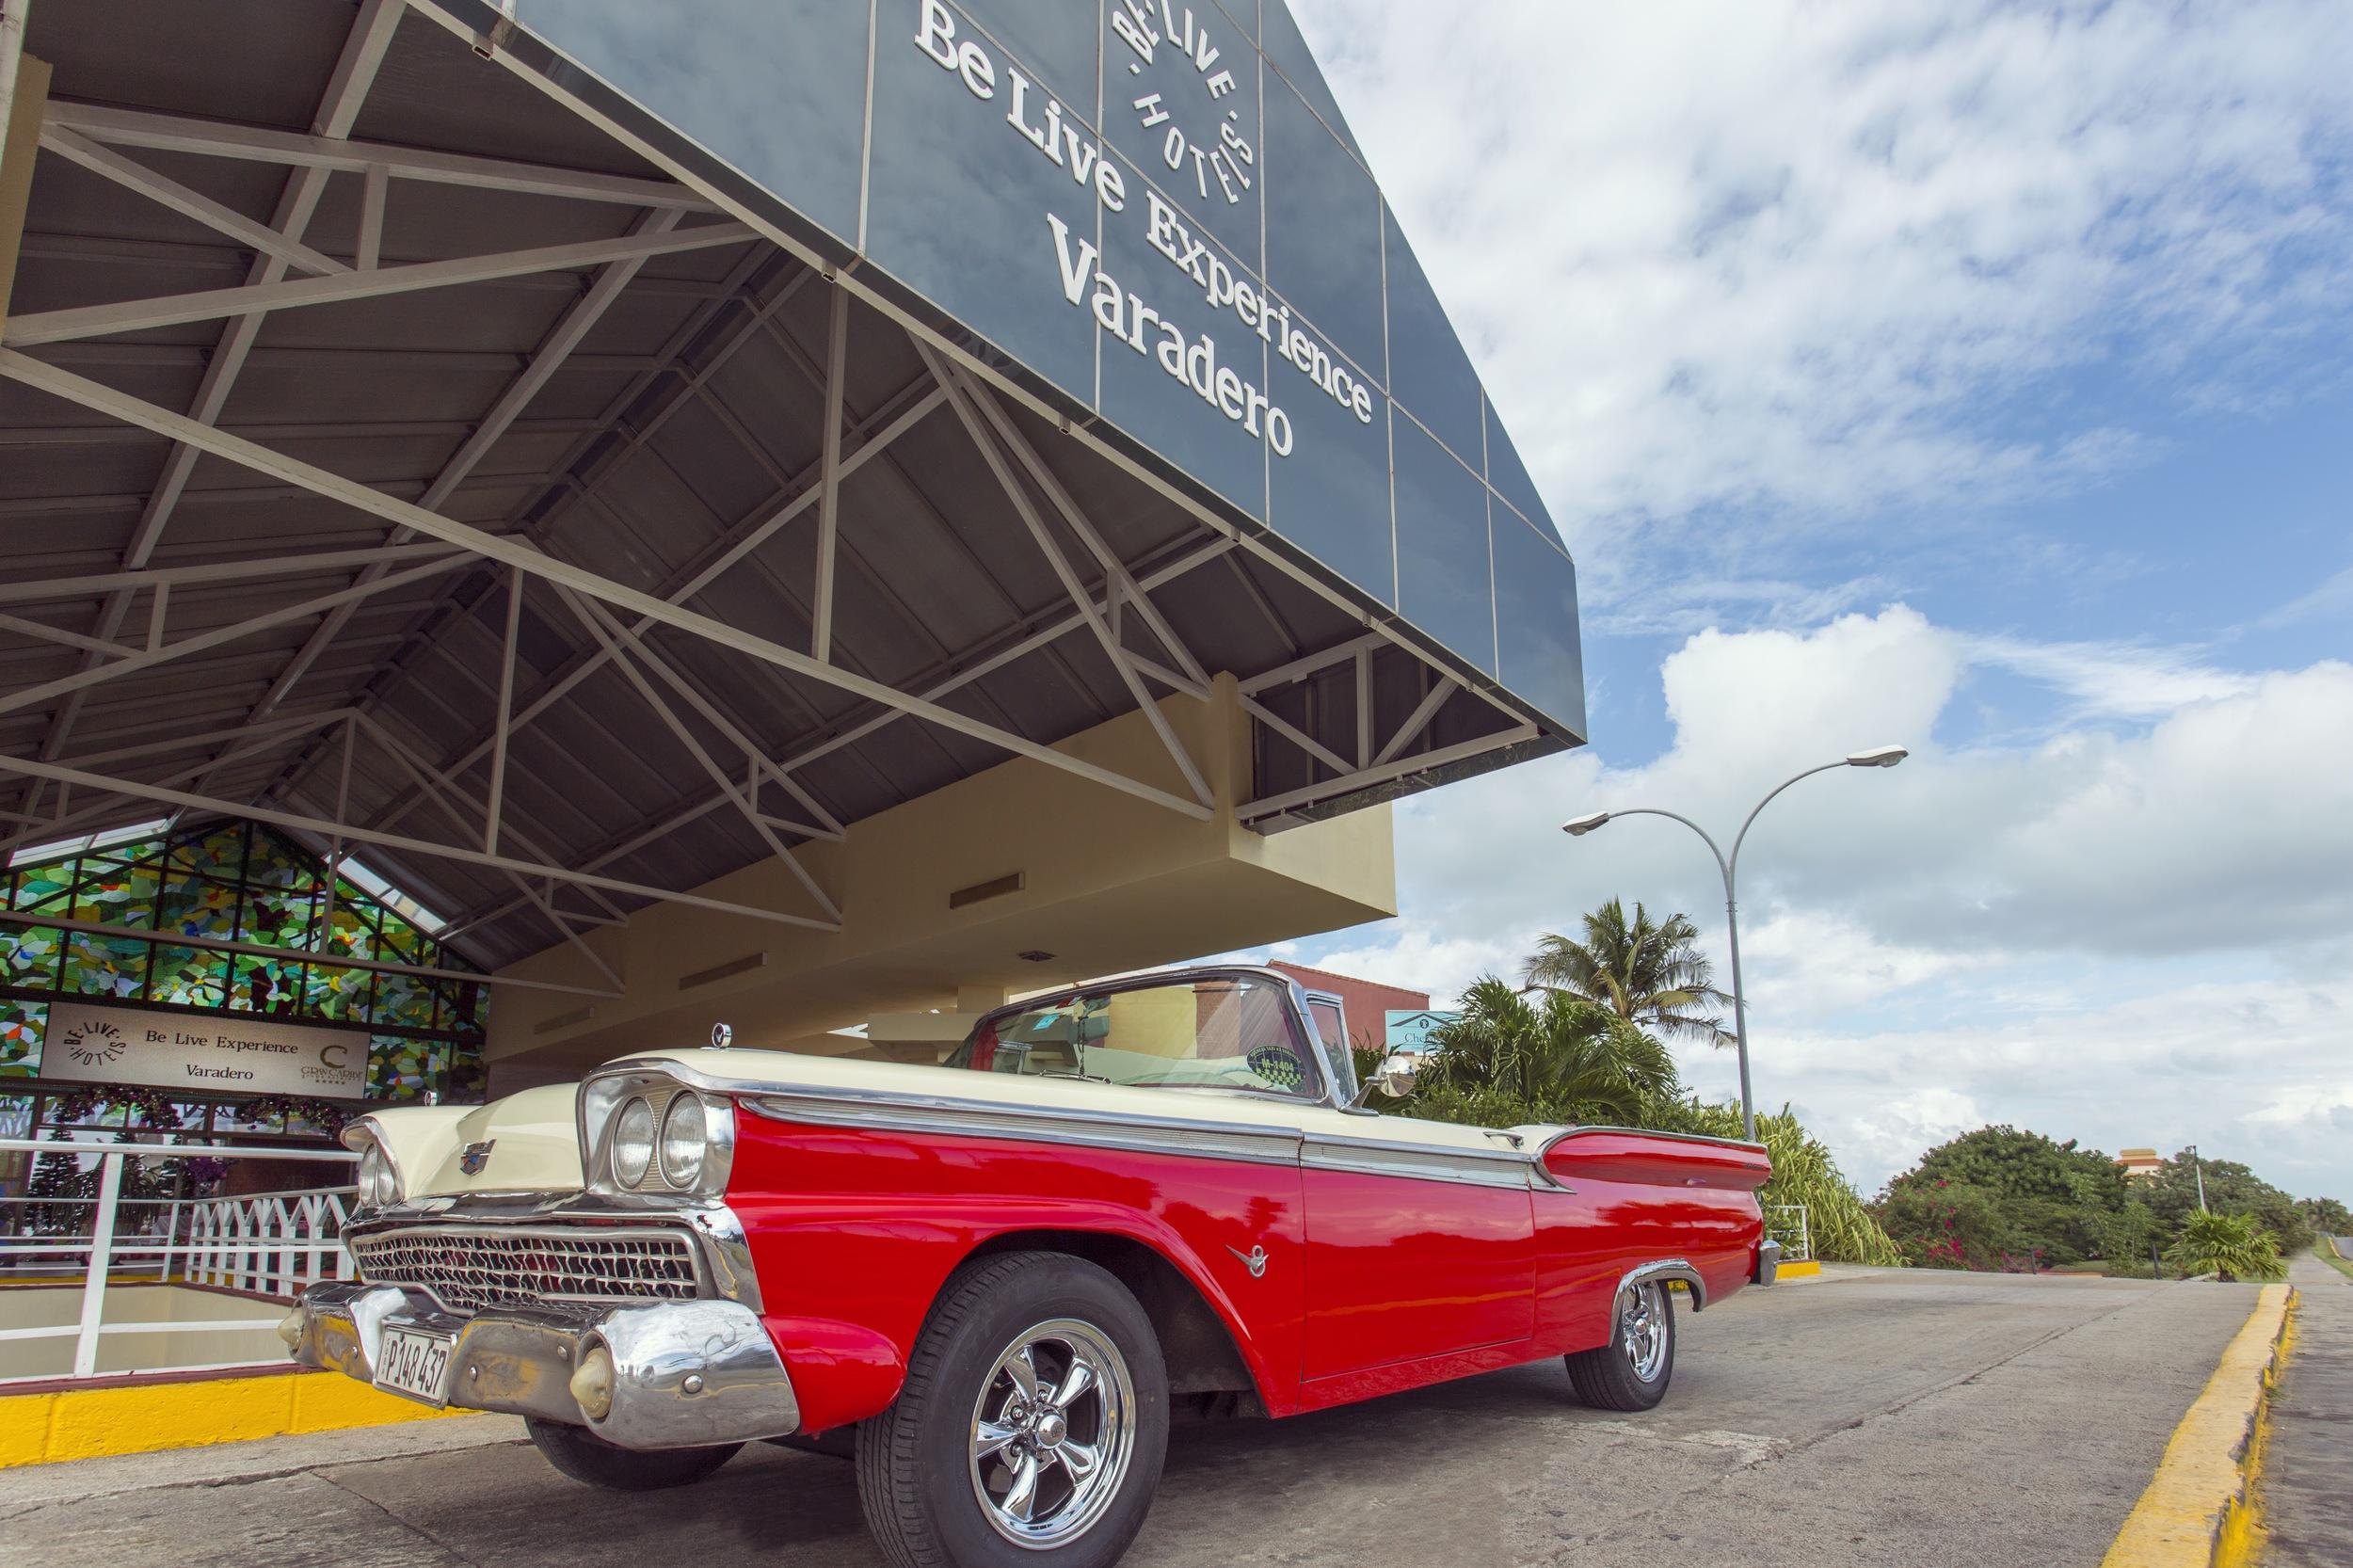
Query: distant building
point(1368, 1003)
point(2140, 1162)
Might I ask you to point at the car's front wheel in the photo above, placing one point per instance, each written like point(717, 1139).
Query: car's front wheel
point(1631, 1371)
point(1031, 1425)
point(593, 1462)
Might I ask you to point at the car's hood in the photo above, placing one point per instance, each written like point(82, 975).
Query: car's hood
point(525, 1142)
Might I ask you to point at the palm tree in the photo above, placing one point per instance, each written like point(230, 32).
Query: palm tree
point(1563, 1056)
point(1648, 974)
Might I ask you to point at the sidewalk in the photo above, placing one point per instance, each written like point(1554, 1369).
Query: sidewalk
point(2308, 1473)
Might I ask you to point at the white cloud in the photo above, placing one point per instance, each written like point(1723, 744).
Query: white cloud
point(1784, 258)
point(2132, 933)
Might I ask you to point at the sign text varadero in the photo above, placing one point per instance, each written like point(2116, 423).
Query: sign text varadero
point(1122, 309)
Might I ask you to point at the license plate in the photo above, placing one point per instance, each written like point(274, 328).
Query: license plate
point(416, 1363)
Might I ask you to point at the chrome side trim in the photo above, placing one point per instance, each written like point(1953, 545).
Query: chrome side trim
point(1419, 1162)
point(1646, 1132)
point(1666, 1269)
point(1262, 1146)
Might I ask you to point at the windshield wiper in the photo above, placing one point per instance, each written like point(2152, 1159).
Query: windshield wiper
point(1077, 1072)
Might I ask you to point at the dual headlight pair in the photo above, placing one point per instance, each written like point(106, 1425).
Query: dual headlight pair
point(378, 1181)
point(678, 1147)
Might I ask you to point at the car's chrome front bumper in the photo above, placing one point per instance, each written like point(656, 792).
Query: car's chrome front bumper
point(685, 1373)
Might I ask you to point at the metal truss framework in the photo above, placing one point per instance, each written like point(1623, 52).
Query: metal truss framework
point(423, 542)
point(1107, 599)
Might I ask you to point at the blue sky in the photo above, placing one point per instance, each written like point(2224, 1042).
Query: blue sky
point(1968, 375)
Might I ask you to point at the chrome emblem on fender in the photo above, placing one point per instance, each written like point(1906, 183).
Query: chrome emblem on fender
point(475, 1157)
point(1254, 1260)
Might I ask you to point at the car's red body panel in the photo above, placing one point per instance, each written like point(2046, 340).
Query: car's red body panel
point(1371, 1283)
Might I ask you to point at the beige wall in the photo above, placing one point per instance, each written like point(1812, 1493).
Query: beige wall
point(60, 1305)
point(1110, 883)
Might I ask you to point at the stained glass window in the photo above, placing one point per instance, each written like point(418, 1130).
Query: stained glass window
point(20, 1037)
point(244, 884)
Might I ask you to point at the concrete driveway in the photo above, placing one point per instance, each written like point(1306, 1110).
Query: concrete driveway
point(1872, 1416)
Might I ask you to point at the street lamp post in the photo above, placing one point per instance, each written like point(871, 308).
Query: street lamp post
point(1576, 828)
point(2198, 1174)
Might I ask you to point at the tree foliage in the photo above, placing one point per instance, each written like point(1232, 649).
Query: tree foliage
point(1993, 1196)
point(1557, 1057)
point(1648, 973)
point(2046, 1200)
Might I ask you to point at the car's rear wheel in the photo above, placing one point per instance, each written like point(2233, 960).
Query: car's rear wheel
point(590, 1460)
point(1630, 1372)
point(1030, 1429)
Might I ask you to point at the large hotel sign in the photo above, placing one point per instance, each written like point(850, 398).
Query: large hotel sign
point(92, 1043)
point(1152, 212)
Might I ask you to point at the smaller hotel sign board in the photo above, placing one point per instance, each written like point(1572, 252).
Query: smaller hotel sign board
point(96, 1044)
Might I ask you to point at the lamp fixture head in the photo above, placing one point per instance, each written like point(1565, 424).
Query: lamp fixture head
point(1576, 828)
point(1878, 757)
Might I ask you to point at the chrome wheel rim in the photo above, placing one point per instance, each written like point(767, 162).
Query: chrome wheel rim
point(1053, 1431)
point(1642, 1329)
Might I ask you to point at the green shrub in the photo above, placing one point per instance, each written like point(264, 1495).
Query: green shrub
point(2232, 1246)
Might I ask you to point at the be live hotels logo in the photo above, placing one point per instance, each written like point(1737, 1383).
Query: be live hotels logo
point(1218, 159)
point(95, 1044)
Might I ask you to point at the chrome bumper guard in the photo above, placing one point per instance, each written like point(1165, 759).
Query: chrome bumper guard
point(1768, 1262)
point(686, 1375)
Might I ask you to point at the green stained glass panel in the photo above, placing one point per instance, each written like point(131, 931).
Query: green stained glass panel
point(189, 977)
point(45, 888)
point(336, 992)
point(265, 985)
point(28, 956)
point(403, 1000)
point(465, 1078)
point(113, 895)
point(99, 966)
point(278, 920)
point(21, 1025)
point(194, 907)
point(404, 943)
point(275, 863)
point(350, 936)
point(400, 1069)
point(219, 853)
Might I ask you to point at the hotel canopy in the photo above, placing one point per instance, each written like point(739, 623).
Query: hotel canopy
point(569, 455)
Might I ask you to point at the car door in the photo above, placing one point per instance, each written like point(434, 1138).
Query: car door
point(1420, 1241)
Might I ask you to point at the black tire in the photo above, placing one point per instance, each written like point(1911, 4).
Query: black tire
point(918, 1478)
point(1608, 1377)
point(581, 1454)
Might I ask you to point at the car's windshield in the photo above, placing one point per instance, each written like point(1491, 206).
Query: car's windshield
point(1222, 1032)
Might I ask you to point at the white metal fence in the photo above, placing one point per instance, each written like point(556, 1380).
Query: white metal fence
point(269, 1244)
point(1786, 1224)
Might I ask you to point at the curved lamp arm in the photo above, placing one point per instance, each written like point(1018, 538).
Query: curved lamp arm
point(1734, 865)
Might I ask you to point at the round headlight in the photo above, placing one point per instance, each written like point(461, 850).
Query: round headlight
point(685, 1134)
point(378, 1186)
point(632, 1142)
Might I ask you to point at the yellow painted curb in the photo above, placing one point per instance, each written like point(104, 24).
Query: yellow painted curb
point(2198, 1512)
point(1796, 1271)
point(142, 1417)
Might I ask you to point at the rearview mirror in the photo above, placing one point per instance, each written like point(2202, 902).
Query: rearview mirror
point(1394, 1078)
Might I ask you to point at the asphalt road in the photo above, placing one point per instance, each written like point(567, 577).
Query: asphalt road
point(1873, 1416)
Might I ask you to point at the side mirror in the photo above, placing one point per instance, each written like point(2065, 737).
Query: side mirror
point(1394, 1078)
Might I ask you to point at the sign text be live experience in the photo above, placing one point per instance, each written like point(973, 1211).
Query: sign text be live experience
point(1037, 118)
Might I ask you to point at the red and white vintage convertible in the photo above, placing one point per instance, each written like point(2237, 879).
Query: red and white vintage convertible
point(992, 1280)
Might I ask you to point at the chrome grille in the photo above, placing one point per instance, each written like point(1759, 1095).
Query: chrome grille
point(467, 1269)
